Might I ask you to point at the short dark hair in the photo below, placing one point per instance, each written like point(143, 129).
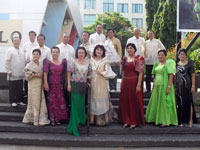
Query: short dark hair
point(162, 50)
point(83, 48)
point(182, 50)
point(101, 47)
point(111, 30)
point(32, 32)
point(99, 24)
point(41, 35)
point(36, 50)
point(132, 45)
point(55, 47)
point(86, 32)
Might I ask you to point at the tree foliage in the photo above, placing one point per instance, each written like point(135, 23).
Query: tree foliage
point(151, 7)
point(122, 26)
point(164, 22)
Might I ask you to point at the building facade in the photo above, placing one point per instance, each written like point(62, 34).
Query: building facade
point(49, 17)
point(133, 10)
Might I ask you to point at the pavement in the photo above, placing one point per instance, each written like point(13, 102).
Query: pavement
point(16, 147)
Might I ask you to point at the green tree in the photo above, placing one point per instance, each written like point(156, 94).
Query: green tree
point(167, 29)
point(151, 7)
point(122, 26)
point(164, 22)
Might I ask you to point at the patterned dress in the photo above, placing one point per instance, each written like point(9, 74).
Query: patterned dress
point(100, 104)
point(55, 97)
point(36, 111)
point(79, 80)
point(184, 96)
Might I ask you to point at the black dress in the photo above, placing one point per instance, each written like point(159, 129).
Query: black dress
point(184, 95)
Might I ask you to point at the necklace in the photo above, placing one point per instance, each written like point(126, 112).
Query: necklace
point(182, 63)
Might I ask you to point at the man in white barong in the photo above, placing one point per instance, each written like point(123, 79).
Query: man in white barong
point(98, 37)
point(85, 43)
point(151, 51)
point(66, 50)
point(115, 65)
point(138, 41)
point(14, 65)
point(45, 51)
point(28, 46)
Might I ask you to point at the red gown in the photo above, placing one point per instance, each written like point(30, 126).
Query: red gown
point(131, 103)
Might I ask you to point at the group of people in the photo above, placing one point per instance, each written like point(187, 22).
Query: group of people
point(60, 77)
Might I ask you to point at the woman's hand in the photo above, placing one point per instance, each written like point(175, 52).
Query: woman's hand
point(10, 74)
point(153, 86)
point(88, 85)
point(46, 87)
point(69, 88)
point(138, 88)
point(193, 89)
point(168, 90)
point(98, 72)
point(38, 75)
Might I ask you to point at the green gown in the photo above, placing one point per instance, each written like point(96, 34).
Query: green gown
point(162, 107)
point(77, 115)
point(79, 80)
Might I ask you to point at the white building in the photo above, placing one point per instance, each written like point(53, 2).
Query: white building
point(134, 10)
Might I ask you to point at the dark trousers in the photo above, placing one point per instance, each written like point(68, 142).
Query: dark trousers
point(148, 77)
point(16, 91)
point(113, 82)
point(26, 87)
point(25, 94)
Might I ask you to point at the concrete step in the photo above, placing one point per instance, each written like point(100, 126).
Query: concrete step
point(114, 128)
point(10, 113)
point(5, 107)
point(100, 140)
point(11, 116)
point(116, 108)
point(115, 101)
point(117, 95)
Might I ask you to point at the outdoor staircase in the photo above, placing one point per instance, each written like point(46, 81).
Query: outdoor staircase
point(13, 131)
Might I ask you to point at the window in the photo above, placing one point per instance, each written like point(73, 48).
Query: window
point(122, 8)
point(137, 8)
point(108, 5)
point(89, 19)
point(137, 22)
point(90, 4)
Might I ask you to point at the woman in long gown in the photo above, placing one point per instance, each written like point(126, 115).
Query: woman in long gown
point(131, 111)
point(161, 109)
point(36, 111)
point(101, 71)
point(55, 72)
point(77, 84)
point(185, 87)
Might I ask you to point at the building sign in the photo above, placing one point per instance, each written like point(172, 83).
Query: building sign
point(8, 30)
point(188, 15)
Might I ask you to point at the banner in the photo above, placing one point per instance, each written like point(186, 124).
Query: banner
point(188, 15)
point(8, 30)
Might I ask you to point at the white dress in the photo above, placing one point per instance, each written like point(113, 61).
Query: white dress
point(99, 92)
